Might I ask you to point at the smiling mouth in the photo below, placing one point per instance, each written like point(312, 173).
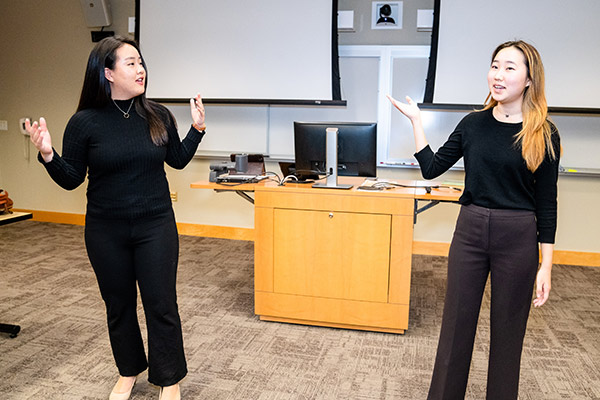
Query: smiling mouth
point(498, 87)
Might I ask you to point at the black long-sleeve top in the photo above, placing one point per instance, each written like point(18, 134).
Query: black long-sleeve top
point(496, 175)
point(125, 168)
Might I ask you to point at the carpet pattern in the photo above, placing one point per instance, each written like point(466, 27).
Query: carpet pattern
point(62, 352)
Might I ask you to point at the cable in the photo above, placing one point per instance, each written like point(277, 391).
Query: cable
point(287, 178)
point(269, 173)
point(232, 183)
point(306, 181)
point(325, 177)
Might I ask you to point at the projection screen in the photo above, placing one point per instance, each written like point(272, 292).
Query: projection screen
point(240, 50)
point(566, 33)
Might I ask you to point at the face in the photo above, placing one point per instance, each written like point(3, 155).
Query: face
point(127, 78)
point(507, 78)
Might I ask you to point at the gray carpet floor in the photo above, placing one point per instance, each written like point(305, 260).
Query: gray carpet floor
point(62, 352)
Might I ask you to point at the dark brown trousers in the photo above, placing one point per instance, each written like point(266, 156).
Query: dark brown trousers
point(502, 244)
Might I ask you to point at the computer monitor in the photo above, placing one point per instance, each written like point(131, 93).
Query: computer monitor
point(357, 148)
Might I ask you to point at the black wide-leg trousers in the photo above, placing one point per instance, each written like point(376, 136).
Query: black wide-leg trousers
point(503, 244)
point(125, 254)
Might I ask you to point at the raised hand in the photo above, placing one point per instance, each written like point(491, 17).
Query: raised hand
point(40, 137)
point(410, 109)
point(197, 109)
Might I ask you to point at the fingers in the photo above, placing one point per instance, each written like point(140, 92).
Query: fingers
point(539, 293)
point(395, 102)
point(36, 128)
point(538, 302)
point(38, 134)
point(31, 128)
point(197, 108)
point(409, 100)
point(43, 126)
point(196, 104)
point(542, 293)
point(398, 104)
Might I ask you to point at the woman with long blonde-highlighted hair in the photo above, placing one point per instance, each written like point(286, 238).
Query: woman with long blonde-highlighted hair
point(534, 138)
point(508, 213)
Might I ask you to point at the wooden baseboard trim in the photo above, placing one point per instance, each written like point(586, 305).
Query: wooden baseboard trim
point(56, 217)
point(431, 248)
point(221, 232)
point(586, 259)
point(566, 257)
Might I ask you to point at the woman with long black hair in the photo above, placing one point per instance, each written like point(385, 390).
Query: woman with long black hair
point(121, 141)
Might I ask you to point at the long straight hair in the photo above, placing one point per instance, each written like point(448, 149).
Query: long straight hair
point(96, 92)
point(535, 136)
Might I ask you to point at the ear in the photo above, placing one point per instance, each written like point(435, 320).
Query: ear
point(108, 74)
point(528, 82)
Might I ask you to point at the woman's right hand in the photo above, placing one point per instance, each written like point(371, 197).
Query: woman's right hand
point(410, 109)
point(40, 137)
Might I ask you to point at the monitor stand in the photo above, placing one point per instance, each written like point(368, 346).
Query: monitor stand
point(332, 163)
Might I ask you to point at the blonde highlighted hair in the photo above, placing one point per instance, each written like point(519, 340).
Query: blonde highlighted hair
point(535, 136)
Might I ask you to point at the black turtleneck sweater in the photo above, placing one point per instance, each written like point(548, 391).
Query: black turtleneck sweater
point(125, 168)
point(496, 175)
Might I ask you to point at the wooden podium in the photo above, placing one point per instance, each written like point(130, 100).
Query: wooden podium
point(337, 258)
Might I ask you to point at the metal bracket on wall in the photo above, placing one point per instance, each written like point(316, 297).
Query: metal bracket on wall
point(431, 203)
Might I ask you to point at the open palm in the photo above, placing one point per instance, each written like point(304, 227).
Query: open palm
point(40, 137)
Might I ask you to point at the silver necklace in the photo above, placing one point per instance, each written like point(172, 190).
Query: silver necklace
point(125, 114)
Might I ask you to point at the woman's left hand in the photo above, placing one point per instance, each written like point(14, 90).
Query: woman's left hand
point(542, 286)
point(197, 109)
